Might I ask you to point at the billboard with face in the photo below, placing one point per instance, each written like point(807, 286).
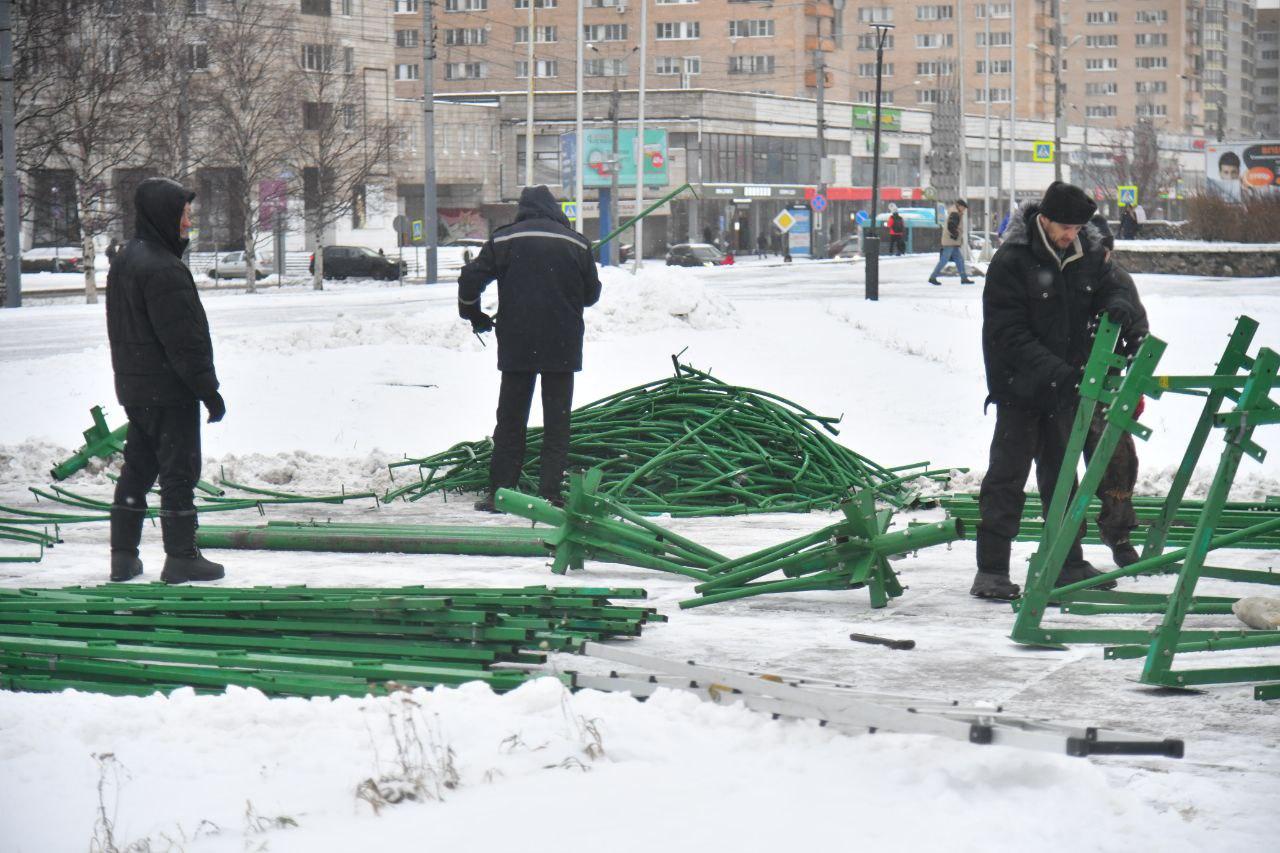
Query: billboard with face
point(1237, 168)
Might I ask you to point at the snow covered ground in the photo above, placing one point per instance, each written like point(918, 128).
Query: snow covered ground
point(326, 388)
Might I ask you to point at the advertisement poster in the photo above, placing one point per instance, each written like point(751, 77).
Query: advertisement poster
point(798, 236)
point(1235, 169)
point(599, 158)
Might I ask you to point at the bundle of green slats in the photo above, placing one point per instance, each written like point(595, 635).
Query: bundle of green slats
point(691, 445)
point(134, 639)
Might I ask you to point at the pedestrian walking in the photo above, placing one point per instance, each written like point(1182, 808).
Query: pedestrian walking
point(897, 234)
point(546, 276)
point(162, 358)
point(1044, 286)
point(762, 245)
point(1128, 223)
point(952, 239)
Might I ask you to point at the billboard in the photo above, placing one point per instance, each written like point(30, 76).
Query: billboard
point(1232, 169)
point(799, 235)
point(597, 170)
point(864, 118)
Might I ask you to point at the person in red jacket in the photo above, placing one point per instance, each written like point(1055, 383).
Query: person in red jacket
point(897, 234)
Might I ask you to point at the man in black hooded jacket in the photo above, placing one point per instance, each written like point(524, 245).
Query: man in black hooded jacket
point(162, 357)
point(1045, 285)
point(546, 276)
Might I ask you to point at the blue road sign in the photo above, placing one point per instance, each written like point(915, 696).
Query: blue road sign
point(818, 203)
point(862, 218)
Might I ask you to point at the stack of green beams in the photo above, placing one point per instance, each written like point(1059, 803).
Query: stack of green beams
point(691, 445)
point(1236, 516)
point(135, 639)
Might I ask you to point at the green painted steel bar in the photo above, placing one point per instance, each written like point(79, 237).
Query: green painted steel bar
point(408, 539)
point(1246, 640)
point(100, 441)
point(642, 214)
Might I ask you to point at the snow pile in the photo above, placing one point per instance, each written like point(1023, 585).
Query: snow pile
point(423, 328)
point(655, 299)
point(697, 776)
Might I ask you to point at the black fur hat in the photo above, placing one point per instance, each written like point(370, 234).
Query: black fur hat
point(1067, 204)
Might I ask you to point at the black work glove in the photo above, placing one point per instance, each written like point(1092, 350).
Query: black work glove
point(1122, 315)
point(481, 322)
point(217, 407)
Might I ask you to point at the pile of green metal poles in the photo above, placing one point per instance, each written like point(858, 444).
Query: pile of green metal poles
point(1236, 515)
point(134, 639)
point(691, 445)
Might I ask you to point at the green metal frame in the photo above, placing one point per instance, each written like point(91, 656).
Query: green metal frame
point(100, 441)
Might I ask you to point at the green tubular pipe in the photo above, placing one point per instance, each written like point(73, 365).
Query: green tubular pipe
point(473, 542)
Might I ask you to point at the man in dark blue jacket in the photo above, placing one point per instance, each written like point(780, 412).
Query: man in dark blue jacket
point(162, 358)
point(546, 275)
point(1045, 285)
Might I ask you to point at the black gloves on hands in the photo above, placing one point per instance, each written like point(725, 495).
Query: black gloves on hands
point(217, 407)
point(1121, 315)
point(481, 322)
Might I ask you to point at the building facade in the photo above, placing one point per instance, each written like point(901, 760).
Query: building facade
point(1267, 71)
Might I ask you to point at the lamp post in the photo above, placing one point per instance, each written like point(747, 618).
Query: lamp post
point(871, 244)
point(1058, 118)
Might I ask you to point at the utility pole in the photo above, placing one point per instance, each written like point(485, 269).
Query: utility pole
point(12, 210)
point(963, 182)
point(819, 217)
point(1057, 90)
point(871, 244)
point(610, 250)
point(528, 121)
point(430, 215)
point(1013, 109)
point(986, 135)
point(637, 251)
point(580, 146)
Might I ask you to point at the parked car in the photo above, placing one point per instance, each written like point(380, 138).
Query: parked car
point(696, 255)
point(53, 259)
point(358, 262)
point(849, 249)
point(836, 247)
point(232, 265)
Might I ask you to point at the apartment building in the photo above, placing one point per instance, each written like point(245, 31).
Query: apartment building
point(1227, 34)
point(1267, 71)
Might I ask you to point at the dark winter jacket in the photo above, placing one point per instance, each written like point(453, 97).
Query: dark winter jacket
point(546, 276)
point(160, 347)
point(1036, 312)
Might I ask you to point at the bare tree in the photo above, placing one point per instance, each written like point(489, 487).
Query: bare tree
point(253, 101)
point(173, 67)
point(90, 70)
point(344, 140)
point(1136, 160)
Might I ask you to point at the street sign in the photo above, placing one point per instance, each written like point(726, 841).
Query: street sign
point(400, 223)
point(570, 210)
point(1042, 152)
point(818, 202)
point(784, 221)
point(417, 229)
point(862, 218)
point(1127, 194)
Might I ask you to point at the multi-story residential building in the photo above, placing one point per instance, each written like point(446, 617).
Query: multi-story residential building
point(1267, 71)
point(1229, 68)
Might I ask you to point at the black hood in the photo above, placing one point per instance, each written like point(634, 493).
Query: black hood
point(159, 203)
point(538, 203)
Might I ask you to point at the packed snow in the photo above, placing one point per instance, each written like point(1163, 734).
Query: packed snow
point(325, 388)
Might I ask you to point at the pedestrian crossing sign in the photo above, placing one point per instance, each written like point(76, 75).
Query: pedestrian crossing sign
point(1043, 151)
point(570, 210)
point(1127, 195)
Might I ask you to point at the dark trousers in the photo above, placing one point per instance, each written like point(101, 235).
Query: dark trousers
point(1022, 436)
point(897, 244)
point(1117, 518)
point(163, 442)
point(514, 400)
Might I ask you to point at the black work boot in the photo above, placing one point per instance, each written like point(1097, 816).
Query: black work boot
point(1074, 571)
point(1124, 554)
point(180, 568)
point(125, 566)
point(994, 586)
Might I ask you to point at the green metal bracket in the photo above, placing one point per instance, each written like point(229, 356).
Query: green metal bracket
point(100, 441)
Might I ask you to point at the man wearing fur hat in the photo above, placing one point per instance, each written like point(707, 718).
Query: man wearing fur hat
point(1046, 283)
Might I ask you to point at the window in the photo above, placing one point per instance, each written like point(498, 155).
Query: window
point(464, 70)
point(349, 116)
point(541, 68)
point(317, 57)
point(875, 15)
point(1151, 87)
point(197, 56)
point(927, 40)
point(1110, 88)
point(604, 32)
point(659, 2)
point(407, 71)
point(309, 7)
point(751, 64)
point(537, 4)
point(867, 41)
point(678, 30)
point(935, 69)
point(1108, 111)
point(998, 10)
point(751, 29)
point(997, 39)
point(606, 68)
point(868, 69)
point(1151, 39)
point(1096, 18)
point(693, 65)
point(1149, 110)
point(406, 38)
point(1109, 64)
point(315, 116)
point(998, 96)
point(1152, 16)
point(1270, 55)
point(406, 7)
point(934, 13)
point(348, 7)
point(868, 96)
point(541, 35)
point(1102, 41)
point(998, 66)
point(468, 36)
point(198, 7)
point(465, 5)
point(601, 4)
point(935, 96)
point(349, 60)
point(1152, 62)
